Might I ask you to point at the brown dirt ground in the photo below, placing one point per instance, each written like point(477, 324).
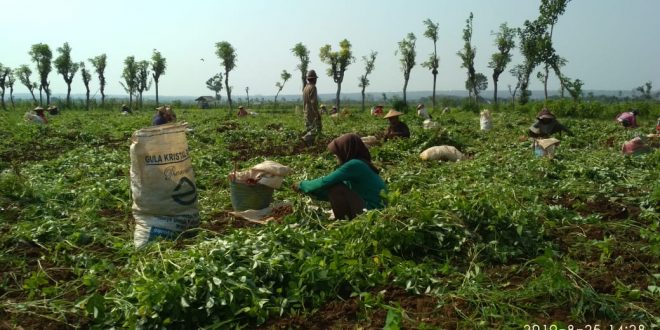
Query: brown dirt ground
point(351, 314)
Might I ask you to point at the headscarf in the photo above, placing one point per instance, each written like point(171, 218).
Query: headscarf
point(350, 146)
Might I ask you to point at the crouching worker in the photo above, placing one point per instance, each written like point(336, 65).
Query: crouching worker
point(164, 115)
point(546, 124)
point(397, 128)
point(354, 186)
point(628, 119)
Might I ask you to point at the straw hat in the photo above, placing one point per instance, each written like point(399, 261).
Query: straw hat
point(419, 106)
point(39, 108)
point(392, 113)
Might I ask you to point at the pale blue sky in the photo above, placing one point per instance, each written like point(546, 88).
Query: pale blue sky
point(610, 44)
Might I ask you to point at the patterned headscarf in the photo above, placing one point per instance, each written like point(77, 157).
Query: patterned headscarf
point(350, 146)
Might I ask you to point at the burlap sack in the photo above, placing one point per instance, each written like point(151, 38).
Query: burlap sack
point(162, 183)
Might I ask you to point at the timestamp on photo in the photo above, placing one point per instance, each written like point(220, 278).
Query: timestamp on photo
point(596, 326)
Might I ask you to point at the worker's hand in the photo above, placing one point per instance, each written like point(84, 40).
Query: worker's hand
point(296, 187)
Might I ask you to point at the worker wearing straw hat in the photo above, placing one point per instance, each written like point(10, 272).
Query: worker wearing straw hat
point(311, 110)
point(396, 129)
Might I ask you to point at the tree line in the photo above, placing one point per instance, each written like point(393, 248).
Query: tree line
point(534, 41)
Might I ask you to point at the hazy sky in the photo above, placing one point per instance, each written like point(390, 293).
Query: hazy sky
point(609, 44)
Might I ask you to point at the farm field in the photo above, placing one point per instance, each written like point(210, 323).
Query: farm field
point(500, 240)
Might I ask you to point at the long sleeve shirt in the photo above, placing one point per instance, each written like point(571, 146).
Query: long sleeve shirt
point(397, 130)
point(356, 175)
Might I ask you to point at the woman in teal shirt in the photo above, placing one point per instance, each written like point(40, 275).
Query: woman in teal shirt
point(354, 186)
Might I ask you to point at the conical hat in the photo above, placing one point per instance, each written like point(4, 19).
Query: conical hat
point(392, 113)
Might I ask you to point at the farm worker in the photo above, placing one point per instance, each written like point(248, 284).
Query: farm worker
point(396, 129)
point(53, 110)
point(324, 110)
point(422, 112)
point(40, 112)
point(546, 124)
point(628, 119)
point(333, 110)
point(354, 186)
point(311, 110)
point(125, 110)
point(242, 112)
point(164, 115)
point(657, 126)
point(634, 146)
point(377, 110)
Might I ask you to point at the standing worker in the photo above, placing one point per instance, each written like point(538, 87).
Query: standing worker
point(311, 110)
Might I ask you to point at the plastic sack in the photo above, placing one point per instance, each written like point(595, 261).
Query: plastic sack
point(369, 140)
point(545, 147)
point(33, 118)
point(429, 124)
point(162, 183)
point(446, 153)
point(486, 120)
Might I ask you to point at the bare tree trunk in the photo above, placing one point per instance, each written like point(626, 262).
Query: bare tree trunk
point(87, 100)
point(11, 96)
point(405, 86)
point(102, 96)
point(337, 100)
point(363, 88)
point(47, 95)
point(435, 76)
point(68, 95)
point(2, 98)
point(228, 90)
point(156, 81)
point(41, 99)
point(545, 81)
point(495, 90)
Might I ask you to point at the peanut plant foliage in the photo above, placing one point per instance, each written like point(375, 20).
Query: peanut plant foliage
point(499, 240)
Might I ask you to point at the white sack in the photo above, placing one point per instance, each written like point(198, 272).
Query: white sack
point(162, 183)
point(446, 153)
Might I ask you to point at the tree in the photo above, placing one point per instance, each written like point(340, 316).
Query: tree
point(645, 90)
point(433, 62)
point(215, 84)
point(475, 82)
point(99, 63)
point(368, 68)
point(66, 67)
point(158, 66)
point(408, 54)
point(23, 72)
point(504, 43)
point(86, 77)
point(42, 56)
point(518, 72)
point(300, 51)
point(285, 77)
point(143, 82)
point(247, 92)
point(4, 73)
point(227, 55)
point(339, 62)
point(130, 78)
point(550, 10)
point(10, 83)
